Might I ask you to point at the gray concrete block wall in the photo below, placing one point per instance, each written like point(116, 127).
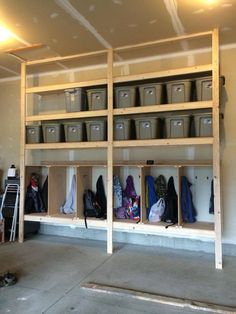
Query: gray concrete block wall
point(136, 238)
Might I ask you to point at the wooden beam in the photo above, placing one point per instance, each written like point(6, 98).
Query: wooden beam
point(216, 148)
point(110, 153)
point(22, 153)
point(79, 55)
point(163, 41)
point(68, 145)
point(165, 142)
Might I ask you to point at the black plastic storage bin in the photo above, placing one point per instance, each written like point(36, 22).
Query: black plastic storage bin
point(204, 87)
point(97, 98)
point(96, 130)
point(74, 131)
point(122, 129)
point(147, 128)
point(34, 134)
point(179, 91)
point(53, 133)
point(75, 99)
point(203, 124)
point(125, 96)
point(150, 94)
point(177, 126)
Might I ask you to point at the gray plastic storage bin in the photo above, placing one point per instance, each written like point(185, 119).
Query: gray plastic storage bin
point(74, 131)
point(150, 94)
point(204, 87)
point(97, 98)
point(96, 130)
point(178, 91)
point(147, 128)
point(75, 99)
point(52, 133)
point(125, 96)
point(177, 126)
point(33, 134)
point(122, 129)
point(203, 124)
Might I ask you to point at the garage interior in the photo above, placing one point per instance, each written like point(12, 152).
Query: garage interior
point(55, 57)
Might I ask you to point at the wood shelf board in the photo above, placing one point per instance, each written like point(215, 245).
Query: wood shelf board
point(67, 145)
point(126, 163)
point(164, 108)
point(166, 73)
point(47, 89)
point(67, 115)
point(65, 219)
point(66, 58)
point(75, 163)
point(165, 142)
point(160, 229)
point(199, 225)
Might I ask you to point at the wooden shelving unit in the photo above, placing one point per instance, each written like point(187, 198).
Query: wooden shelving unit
point(203, 229)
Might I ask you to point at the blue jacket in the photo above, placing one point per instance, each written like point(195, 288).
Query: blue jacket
point(188, 209)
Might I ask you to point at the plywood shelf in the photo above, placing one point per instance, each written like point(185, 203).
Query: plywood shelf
point(68, 145)
point(68, 115)
point(165, 142)
point(160, 74)
point(202, 230)
point(164, 108)
point(65, 219)
point(48, 89)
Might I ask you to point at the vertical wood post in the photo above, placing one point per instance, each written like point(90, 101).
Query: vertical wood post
point(216, 147)
point(22, 153)
point(110, 152)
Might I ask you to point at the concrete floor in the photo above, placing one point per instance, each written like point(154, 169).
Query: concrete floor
point(51, 270)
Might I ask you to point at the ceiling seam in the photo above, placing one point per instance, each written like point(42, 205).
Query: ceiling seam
point(8, 70)
point(171, 6)
point(66, 6)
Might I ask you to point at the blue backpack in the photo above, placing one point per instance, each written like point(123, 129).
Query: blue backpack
point(188, 209)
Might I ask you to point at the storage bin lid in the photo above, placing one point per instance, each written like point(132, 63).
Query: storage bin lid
point(185, 81)
point(209, 78)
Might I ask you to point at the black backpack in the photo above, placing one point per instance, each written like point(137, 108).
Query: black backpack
point(171, 210)
point(91, 206)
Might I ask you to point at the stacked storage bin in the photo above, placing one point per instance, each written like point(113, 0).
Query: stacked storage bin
point(177, 126)
point(203, 124)
point(125, 96)
point(74, 131)
point(75, 99)
point(122, 129)
point(53, 132)
point(96, 130)
point(179, 91)
point(34, 134)
point(150, 94)
point(97, 99)
point(147, 128)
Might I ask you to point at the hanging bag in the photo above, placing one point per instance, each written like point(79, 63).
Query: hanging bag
point(157, 211)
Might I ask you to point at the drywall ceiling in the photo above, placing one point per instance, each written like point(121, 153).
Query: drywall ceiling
point(74, 26)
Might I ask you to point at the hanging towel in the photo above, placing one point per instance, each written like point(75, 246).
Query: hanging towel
point(69, 206)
